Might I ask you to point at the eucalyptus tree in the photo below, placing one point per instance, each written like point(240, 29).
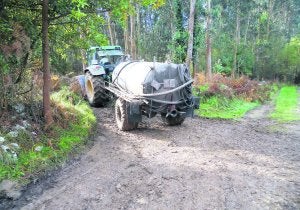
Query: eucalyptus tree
point(70, 24)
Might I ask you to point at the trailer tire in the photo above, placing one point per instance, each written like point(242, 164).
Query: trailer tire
point(97, 96)
point(178, 120)
point(122, 116)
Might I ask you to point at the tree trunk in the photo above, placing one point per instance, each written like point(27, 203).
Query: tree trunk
point(46, 71)
point(237, 41)
point(138, 30)
point(126, 38)
point(82, 53)
point(208, 41)
point(247, 27)
point(132, 37)
point(111, 35)
point(270, 16)
point(189, 57)
point(113, 26)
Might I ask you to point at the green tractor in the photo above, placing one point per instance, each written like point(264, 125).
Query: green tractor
point(101, 63)
point(141, 88)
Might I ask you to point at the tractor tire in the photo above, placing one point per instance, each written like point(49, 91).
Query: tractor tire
point(178, 120)
point(97, 96)
point(122, 116)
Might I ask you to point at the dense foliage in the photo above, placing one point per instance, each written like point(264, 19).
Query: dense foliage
point(31, 152)
point(230, 98)
point(258, 38)
point(74, 25)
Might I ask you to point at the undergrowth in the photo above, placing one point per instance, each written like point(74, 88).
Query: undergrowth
point(286, 105)
point(73, 122)
point(224, 108)
point(230, 98)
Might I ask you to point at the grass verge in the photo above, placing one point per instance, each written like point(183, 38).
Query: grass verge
point(230, 98)
point(224, 108)
point(286, 105)
point(74, 120)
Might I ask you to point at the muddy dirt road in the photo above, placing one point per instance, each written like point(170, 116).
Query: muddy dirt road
point(203, 164)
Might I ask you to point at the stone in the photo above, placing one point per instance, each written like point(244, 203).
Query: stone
point(10, 152)
point(119, 187)
point(19, 127)
point(13, 134)
point(19, 108)
point(26, 124)
point(2, 139)
point(5, 148)
point(10, 189)
point(15, 145)
point(38, 148)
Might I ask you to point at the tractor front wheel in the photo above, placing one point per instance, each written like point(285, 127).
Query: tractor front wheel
point(96, 94)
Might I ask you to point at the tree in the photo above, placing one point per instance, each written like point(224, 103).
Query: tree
point(71, 26)
point(110, 29)
point(189, 55)
point(290, 55)
point(237, 40)
point(208, 41)
point(46, 70)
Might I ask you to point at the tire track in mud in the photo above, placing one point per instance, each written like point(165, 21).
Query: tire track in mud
point(203, 164)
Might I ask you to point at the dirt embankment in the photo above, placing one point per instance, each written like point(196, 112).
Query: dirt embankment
point(203, 164)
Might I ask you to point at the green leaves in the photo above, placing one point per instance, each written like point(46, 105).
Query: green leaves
point(4, 65)
point(77, 14)
point(80, 3)
point(263, 17)
point(291, 51)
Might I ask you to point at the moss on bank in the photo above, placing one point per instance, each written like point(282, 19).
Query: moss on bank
point(74, 120)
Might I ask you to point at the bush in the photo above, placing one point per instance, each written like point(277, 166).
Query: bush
point(243, 87)
point(74, 120)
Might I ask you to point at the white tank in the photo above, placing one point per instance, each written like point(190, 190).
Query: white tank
point(130, 76)
point(148, 77)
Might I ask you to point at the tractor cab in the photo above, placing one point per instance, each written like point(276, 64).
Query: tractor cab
point(106, 56)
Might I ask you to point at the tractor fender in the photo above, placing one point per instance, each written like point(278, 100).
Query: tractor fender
point(95, 70)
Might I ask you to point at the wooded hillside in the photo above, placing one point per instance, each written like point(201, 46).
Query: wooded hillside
point(258, 38)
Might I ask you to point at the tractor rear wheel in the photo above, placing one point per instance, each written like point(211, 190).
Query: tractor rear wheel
point(96, 94)
point(122, 116)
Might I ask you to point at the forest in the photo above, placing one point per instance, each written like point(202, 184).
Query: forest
point(257, 38)
point(243, 56)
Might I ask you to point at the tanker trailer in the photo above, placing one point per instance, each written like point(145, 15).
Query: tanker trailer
point(151, 88)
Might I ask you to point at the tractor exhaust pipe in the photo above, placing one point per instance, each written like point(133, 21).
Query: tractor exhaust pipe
point(173, 112)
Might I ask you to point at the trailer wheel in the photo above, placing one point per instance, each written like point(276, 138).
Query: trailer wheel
point(122, 116)
point(178, 120)
point(96, 94)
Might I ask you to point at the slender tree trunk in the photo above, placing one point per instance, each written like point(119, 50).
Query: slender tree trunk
point(189, 56)
point(237, 41)
point(132, 36)
point(115, 33)
point(247, 27)
point(82, 53)
point(46, 69)
point(111, 35)
point(208, 41)
point(138, 30)
point(173, 20)
point(126, 39)
point(270, 16)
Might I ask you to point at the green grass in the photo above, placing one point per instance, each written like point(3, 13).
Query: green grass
point(286, 105)
point(223, 108)
point(65, 141)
